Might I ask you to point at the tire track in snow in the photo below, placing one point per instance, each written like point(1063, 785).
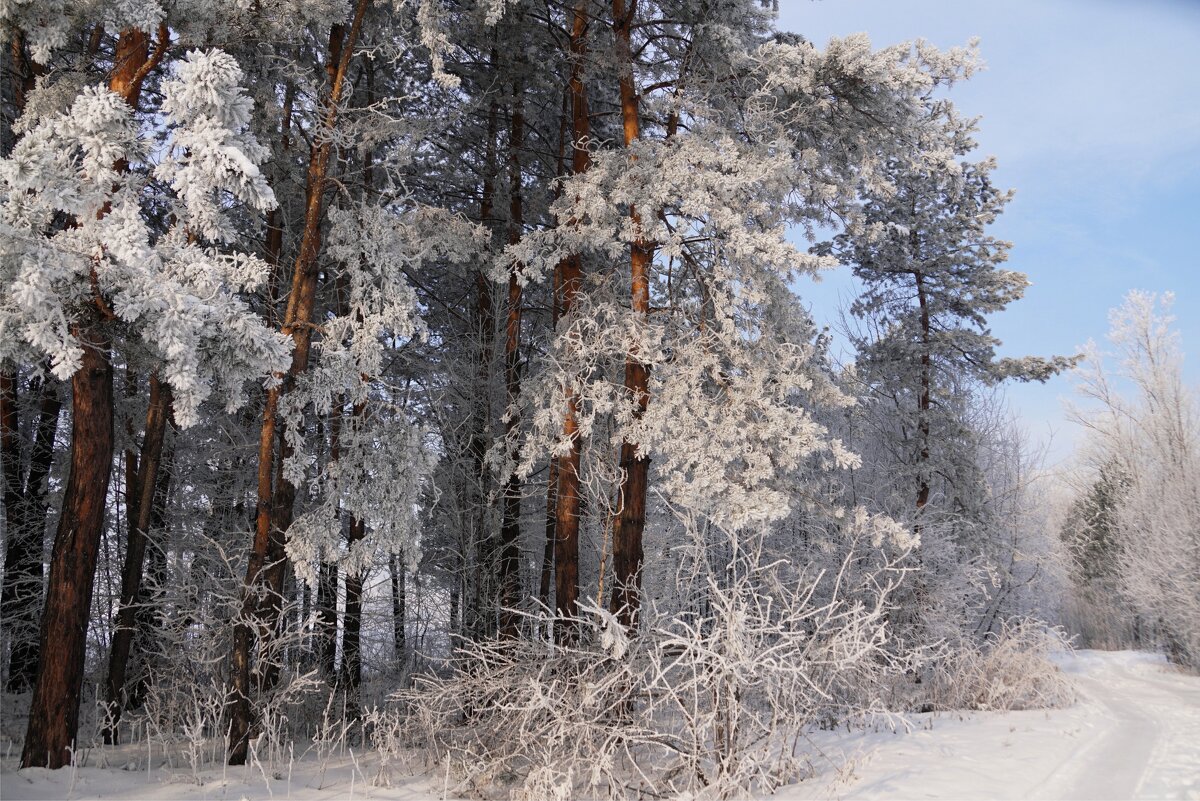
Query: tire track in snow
point(1148, 747)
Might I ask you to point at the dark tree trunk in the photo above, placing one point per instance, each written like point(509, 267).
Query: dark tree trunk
point(399, 602)
point(151, 618)
point(631, 517)
point(570, 273)
point(10, 451)
point(352, 624)
point(482, 545)
point(510, 528)
point(23, 498)
point(924, 401)
point(266, 567)
point(326, 634)
point(327, 576)
point(547, 572)
point(147, 485)
point(21, 603)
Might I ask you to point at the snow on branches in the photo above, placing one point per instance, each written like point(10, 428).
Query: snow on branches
point(78, 237)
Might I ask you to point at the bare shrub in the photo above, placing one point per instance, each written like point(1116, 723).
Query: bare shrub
point(1012, 668)
point(713, 697)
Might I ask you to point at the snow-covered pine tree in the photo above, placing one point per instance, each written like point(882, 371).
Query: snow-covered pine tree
point(931, 275)
point(86, 266)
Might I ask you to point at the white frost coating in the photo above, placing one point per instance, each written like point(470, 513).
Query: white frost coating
point(381, 475)
point(212, 151)
point(76, 241)
point(435, 40)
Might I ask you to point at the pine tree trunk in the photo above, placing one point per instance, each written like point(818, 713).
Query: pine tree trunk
point(147, 485)
point(510, 529)
point(327, 576)
point(326, 634)
point(22, 72)
point(54, 712)
point(924, 401)
point(570, 274)
point(10, 451)
point(547, 572)
point(150, 618)
point(631, 517)
point(266, 567)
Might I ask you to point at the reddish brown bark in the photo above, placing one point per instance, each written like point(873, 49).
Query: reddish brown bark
point(631, 517)
point(147, 484)
point(54, 712)
point(510, 527)
point(266, 567)
point(22, 74)
point(570, 273)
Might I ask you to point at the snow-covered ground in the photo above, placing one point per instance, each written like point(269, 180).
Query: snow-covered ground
point(1135, 733)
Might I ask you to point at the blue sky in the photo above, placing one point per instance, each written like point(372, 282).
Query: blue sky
point(1093, 109)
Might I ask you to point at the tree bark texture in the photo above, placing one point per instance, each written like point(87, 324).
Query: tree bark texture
point(265, 569)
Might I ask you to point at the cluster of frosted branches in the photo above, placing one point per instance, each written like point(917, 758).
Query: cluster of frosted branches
point(713, 698)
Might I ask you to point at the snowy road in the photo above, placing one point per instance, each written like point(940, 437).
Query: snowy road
point(1135, 733)
point(1151, 742)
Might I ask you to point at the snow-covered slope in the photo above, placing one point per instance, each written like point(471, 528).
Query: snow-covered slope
point(1135, 733)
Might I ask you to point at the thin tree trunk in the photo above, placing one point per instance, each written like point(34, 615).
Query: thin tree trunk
point(150, 617)
point(399, 602)
point(274, 508)
point(10, 451)
point(475, 618)
point(552, 479)
point(327, 579)
point(631, 517)
point(352, 622)
point(570, 273)
point(273, 247)
point(54, 712)
point(21, 603)
point(924, 401)
point(327, 584)
point(147, 484)
point(510, 529)
point(547, 572)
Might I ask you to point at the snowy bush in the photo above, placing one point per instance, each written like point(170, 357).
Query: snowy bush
point(1013, 667)
point(712, 698)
